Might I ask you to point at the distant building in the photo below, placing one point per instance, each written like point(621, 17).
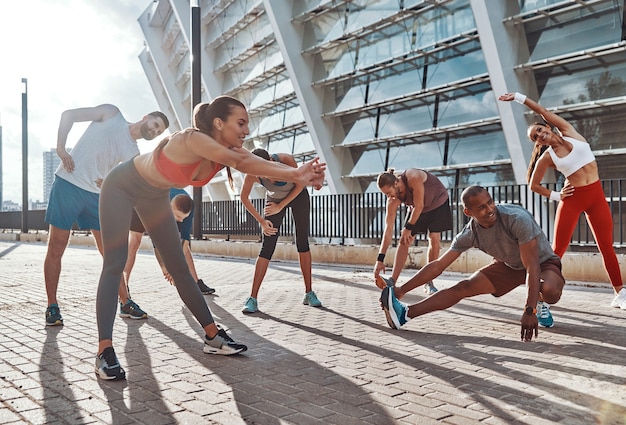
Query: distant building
point(51, 162)
point(11, 206)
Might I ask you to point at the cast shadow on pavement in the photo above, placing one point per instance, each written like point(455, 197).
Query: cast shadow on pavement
point(253, 379)
point(535, 355)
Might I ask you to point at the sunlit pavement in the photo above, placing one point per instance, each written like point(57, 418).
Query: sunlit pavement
point(339, 364)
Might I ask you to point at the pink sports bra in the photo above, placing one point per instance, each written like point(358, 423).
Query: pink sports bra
point(180, 174)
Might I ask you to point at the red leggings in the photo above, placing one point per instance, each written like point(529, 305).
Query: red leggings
point(590, 200)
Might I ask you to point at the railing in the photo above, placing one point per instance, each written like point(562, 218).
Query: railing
point(360, 218)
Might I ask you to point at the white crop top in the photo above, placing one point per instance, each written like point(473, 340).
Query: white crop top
point(580, 156)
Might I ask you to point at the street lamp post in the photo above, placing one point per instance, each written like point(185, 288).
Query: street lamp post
point(24, 155)
point(196, 94)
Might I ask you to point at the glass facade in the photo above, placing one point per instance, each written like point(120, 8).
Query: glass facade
point(378, 84)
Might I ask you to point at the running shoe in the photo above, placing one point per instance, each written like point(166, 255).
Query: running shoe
point(311, 299)
point(205, 289)
point(132, 310)
point(395, 311)
point(222, 344)
point(53, 315)
point(543, 315)
point(430, 288)
point(620, 300)
point(108, 367)
point(251, 306)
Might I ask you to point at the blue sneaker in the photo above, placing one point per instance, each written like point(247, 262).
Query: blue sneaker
point(311, 299)
point(251, 306)
point(395, 311)
point(53, 315)
point(543, 315)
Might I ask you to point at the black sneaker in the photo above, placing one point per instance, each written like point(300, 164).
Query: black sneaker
point(205, 289)
point(108, 367)
point(53, 315)
point(222, 344)
point(132, 310)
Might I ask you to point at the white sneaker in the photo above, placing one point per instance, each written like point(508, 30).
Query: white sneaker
point(620, 300)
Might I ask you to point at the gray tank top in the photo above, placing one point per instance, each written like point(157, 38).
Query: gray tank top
point(276, 191)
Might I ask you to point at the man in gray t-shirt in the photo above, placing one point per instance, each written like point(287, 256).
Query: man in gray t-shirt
point(521, 253)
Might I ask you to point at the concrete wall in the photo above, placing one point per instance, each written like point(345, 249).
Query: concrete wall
point(584, 266)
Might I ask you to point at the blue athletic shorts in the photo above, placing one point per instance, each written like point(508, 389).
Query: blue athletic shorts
point(70, 204)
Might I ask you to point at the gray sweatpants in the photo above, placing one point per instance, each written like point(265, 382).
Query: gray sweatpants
point(124, 189)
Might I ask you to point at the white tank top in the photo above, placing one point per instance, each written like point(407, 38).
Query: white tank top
point(103, 145)
point(580, 156)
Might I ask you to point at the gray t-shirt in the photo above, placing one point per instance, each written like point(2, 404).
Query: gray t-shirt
point(276, 191)
point(514, 226)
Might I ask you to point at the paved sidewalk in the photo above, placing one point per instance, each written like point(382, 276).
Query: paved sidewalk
point(340, 364)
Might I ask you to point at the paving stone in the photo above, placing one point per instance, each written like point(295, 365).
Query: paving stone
point(340, 364)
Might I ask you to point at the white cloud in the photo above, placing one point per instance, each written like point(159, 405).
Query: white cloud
point(74, 54)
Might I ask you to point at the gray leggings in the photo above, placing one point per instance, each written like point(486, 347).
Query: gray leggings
point(122, 190)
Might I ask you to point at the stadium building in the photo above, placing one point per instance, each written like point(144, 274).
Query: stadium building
point(369, 85)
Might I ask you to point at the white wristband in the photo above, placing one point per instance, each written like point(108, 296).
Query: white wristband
point(555, 196)
point(519, 98)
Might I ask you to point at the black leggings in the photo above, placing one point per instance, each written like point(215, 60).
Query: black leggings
point(300, 210)
point(122, 190)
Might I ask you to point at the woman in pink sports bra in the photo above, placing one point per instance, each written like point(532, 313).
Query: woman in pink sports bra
point(568, 152)
point(189, 157)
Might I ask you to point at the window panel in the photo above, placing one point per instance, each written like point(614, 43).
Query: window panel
point(293, 116)
point(303, 143)
point(477, 148)
point(573, 33)
point(284, 145)
point(354, 97)
point(362, 129)
point(398, 85)
point(406, 121)
point(422, 155)
point(456, 68)
point(373, 11)
point(271, 123)
point(467, 108)
point(367, 162)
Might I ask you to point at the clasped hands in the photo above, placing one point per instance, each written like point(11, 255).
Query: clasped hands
point(312, 173)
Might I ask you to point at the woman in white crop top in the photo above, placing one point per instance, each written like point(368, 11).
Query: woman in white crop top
point(568, 152)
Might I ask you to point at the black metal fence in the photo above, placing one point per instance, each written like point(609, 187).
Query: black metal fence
point(360, 218)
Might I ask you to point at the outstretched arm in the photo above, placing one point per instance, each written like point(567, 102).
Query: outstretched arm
point(550, 117)
point(311, 173)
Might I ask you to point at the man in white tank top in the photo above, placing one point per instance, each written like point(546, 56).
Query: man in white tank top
point(74, 197)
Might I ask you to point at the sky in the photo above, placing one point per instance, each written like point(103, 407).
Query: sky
point(74, 54)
